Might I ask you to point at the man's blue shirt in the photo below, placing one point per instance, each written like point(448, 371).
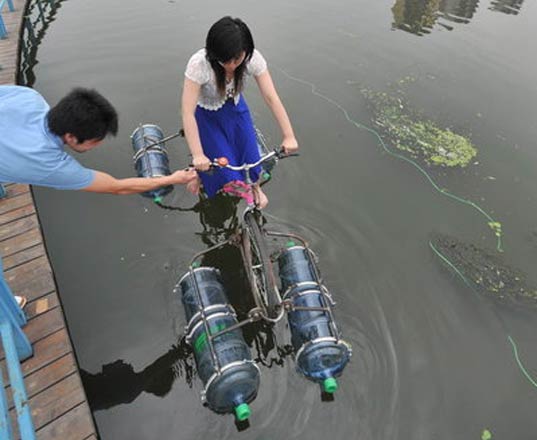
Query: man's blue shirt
point(29, 152)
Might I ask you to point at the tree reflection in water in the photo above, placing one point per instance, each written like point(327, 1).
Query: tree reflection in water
point(420, 16)
point(506, 6)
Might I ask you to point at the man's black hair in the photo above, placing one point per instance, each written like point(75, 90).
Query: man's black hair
point(84, 113)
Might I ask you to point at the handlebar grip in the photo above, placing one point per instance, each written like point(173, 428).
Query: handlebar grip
point(210, 171)
point(280, 153)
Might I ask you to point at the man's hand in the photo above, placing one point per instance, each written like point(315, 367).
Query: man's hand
point(183, 176)
point(201, 162)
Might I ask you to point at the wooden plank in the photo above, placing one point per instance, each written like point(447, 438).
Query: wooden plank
point(35, 287)
point(32, 279)
point(41, 326)
point(21, 243)
point(77, 424)
point(17, 188)
point(6, 77)
point(12, 203)
point(18, 227)
point(17, 213)
point(44, 324)
point(43, 379)
point(58, 400)
point(23, 256)
point(19, 275)
point(42, 305)
point(46, 350)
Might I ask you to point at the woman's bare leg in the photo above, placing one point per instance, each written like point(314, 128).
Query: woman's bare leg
point(261, 198)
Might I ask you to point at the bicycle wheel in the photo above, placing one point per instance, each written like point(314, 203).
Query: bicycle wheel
point(259, 266)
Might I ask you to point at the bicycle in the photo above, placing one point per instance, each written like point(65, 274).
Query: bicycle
point(229, 374)
point(221, 352)
point(250, 238)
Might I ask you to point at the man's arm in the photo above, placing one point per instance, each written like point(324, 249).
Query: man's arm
point(105, 183)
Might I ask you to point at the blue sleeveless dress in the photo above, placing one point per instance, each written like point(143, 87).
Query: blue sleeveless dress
point(228, 131)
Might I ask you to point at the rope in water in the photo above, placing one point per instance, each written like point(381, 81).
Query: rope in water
point(519, 362)
point(509, 338)
point(493, 224)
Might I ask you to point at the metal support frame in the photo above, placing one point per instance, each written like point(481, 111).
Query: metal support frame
point(253, 314)
point(151, 143)
point(201, 309)
point(327, 300)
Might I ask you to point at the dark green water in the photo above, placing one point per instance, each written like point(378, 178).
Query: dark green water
point(431, 358)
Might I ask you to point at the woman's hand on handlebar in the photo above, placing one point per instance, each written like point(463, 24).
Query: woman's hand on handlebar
point(289, 145)
point(201, 162)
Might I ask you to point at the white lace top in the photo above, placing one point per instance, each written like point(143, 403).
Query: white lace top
point(200, 71)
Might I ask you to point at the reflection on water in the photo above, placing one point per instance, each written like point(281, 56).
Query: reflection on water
point(420, 16)
point(38, 17)
point(506, 6)
point(458, 11)
point(118, 383)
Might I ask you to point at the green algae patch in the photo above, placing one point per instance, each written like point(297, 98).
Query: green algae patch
point(420, 137)
point(486, 271)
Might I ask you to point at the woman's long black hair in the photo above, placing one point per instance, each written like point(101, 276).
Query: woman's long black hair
point(227, 39)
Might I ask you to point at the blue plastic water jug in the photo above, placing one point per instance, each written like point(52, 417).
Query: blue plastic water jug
point(320, 353)
point(153, 161)
point(230, 376)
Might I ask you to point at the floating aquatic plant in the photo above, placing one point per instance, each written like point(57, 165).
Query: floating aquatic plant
point(486, 435)
point(485, 271)
point(421, 138)
point(496, 227)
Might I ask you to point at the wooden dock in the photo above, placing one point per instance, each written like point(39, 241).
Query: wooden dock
point(57, 398)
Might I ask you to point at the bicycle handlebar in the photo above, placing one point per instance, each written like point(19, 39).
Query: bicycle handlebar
point(278, 153)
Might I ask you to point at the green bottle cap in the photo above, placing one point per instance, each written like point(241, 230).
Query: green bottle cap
point(157, 199)
point(290, 243)
point(330, 385)
point(266, 175)
point(242, 412)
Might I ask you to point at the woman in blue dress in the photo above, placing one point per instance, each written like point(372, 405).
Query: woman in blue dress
point(216, 118)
